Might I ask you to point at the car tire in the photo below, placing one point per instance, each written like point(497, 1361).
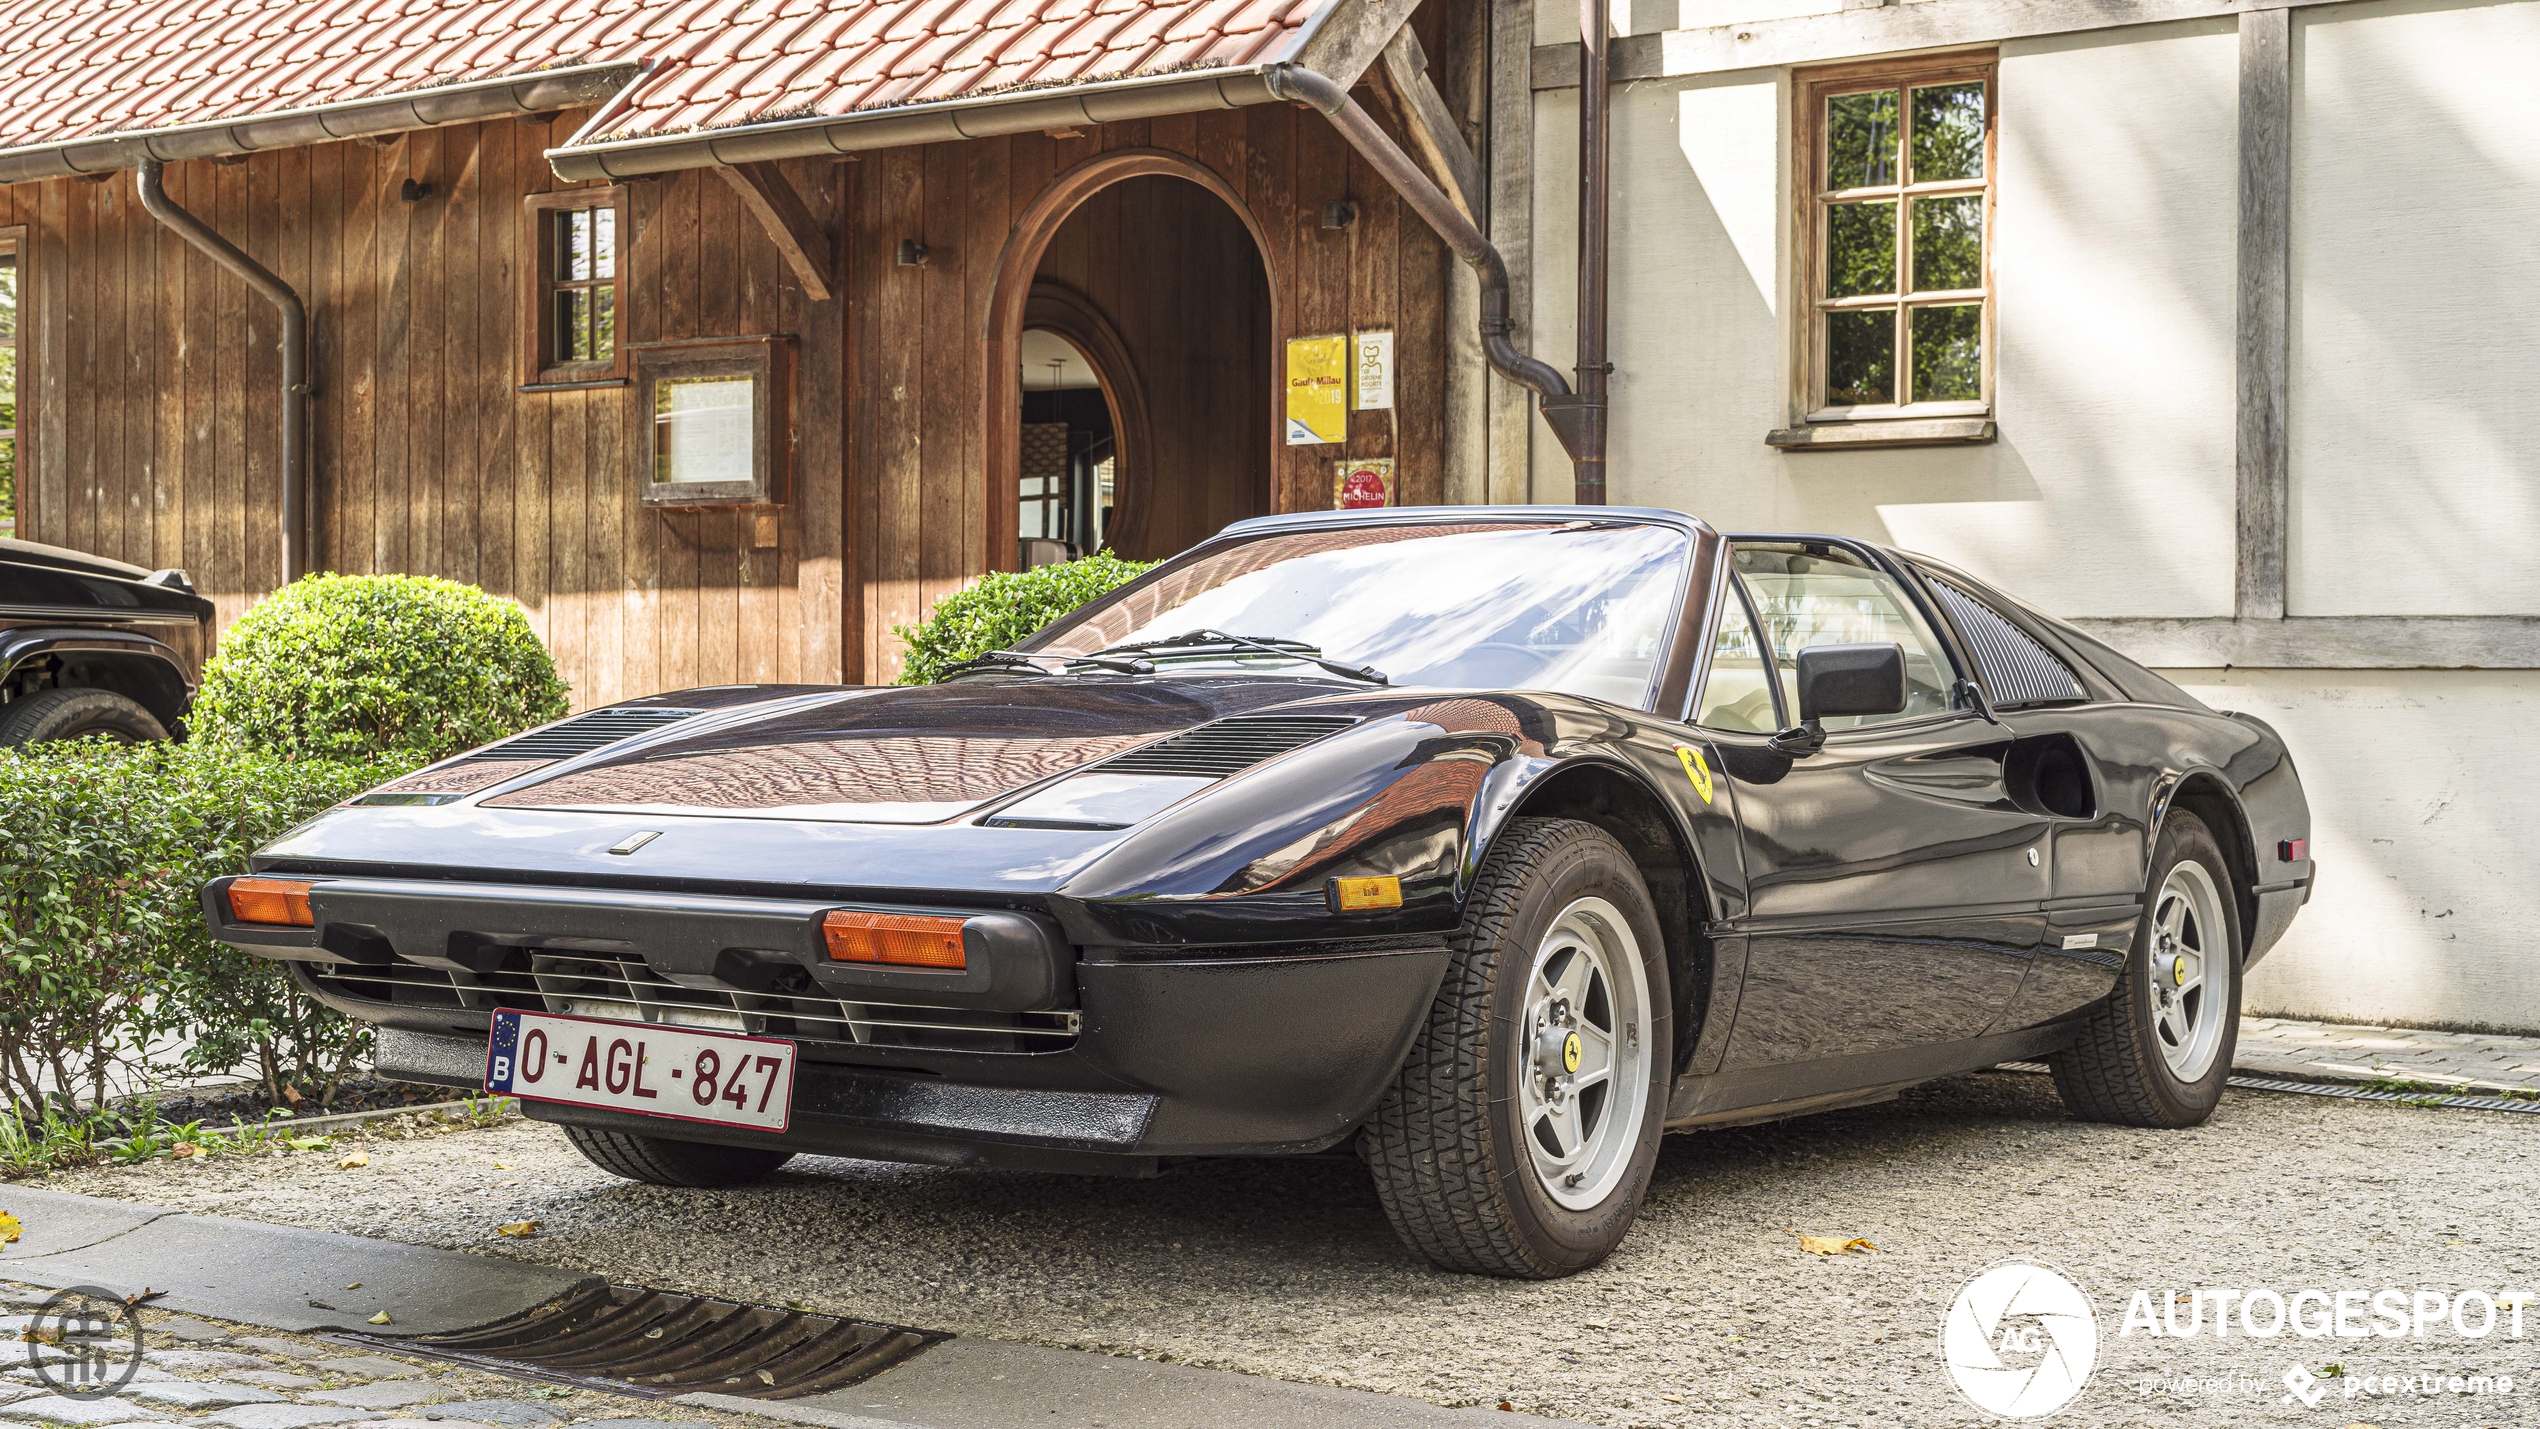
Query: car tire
point(1467, 1146)
point(2158, 1050)
point(661, 1161)
point(68, 714)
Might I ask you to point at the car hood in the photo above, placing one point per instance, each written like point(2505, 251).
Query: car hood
point(895, 756)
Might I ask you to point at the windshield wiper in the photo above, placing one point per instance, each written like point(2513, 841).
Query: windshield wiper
point(1195, 641)
point(1019, 661)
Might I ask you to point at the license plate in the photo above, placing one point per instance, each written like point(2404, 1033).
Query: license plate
point(720, 1078)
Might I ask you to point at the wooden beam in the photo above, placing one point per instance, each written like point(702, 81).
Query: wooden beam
point(799, 238)
point(1886, 30)
point(2264, 357)
point(1434, 132)
point(1348, 41)
point(2319, 642)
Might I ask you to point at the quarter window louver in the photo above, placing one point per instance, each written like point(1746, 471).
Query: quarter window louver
point(583, 734)
point(1230, 746)
point(2017, 670)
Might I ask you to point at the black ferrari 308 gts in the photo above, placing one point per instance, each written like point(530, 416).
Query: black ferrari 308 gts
point(1487, 842)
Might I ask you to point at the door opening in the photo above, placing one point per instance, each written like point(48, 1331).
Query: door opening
point(1070, 454)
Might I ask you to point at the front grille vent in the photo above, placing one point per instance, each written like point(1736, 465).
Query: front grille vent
point(583, 734)
point(626, 990)
point(1230, 746)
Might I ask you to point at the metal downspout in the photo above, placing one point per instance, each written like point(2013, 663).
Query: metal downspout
point(1595, 129)
point(1564, 411)
point(295, 354)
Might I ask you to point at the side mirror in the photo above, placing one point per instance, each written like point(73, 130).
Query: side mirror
point(1837, 680)
point(1851, 680)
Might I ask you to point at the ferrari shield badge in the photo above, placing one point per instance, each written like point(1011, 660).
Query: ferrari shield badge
point(1695, 770)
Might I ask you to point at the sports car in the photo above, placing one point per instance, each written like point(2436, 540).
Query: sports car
point(1485, 843)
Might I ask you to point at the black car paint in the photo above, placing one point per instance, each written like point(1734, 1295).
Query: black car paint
point(1839, 923)
point(82, 621)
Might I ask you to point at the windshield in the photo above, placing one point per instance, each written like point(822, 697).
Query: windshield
point(1553, 606)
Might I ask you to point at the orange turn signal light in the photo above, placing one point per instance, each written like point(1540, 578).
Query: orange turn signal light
point(1362, 895)
point(275, 902)
point(900, 939)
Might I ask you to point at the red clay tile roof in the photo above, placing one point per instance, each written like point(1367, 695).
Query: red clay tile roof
point(79, 69)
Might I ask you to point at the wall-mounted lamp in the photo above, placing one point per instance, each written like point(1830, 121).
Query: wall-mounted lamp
point(1339, 213)
point(912, 253)
point(412, 192)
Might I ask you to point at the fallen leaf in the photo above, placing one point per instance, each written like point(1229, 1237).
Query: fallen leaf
point(1506, 1407)
point(499, 1166)
point(145, 1297)
point(356, 1285)
point(1672, 1398)
point(379, 1319)
point(766, 1376)
point(1833, 1245)
point(292, 1095)
point(9, 1228)
point(517, 1229)
point(184, 1149)
point(306, 1143)
point(354, 1162)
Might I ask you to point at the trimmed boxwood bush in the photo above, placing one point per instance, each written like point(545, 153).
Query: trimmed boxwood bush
point(1003, 609)
point(356, 667)
point(104, 959)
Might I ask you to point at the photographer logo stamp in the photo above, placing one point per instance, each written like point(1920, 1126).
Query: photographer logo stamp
point(85, 1343)
point(2020, 1340)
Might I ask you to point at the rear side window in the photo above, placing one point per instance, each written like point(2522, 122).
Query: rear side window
point(2017, 670)
point(1816, 594)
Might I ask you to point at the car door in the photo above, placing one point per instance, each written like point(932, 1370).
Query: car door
point(1894, 885)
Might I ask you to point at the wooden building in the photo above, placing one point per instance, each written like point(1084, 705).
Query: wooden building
point(723, 418)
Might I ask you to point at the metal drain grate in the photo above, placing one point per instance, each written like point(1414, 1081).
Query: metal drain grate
point(2248, 1083)
point(626, 1339)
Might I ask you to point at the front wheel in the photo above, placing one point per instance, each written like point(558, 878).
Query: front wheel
point(2158, 1051)
point(661, 1161)
point(1520, 1135)
point(48, 715)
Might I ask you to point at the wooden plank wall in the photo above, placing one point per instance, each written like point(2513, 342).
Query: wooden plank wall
point(156, 386)
point(919, 490)
point(153, 380)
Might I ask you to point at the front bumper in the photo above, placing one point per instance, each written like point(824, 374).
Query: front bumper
point(1047, 1055)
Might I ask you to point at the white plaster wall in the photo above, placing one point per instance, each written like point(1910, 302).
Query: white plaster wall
point(2415, 484)
point(2421, 829)
point(2110, 491)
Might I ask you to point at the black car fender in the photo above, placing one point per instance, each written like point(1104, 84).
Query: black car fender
point(142, 669)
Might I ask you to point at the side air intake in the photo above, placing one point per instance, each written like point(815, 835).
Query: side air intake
point(1230, 746)
point(583, 734)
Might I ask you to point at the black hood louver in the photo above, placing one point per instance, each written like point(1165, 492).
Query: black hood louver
point(583, 734)
point(1229, 746)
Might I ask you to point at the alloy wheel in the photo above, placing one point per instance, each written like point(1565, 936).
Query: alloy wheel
point(2189, 966)
point(1586, 1038)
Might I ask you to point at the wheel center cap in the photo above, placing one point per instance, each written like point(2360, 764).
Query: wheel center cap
point(1571, 1048)
point(2178, 972)
point(1557, 1051)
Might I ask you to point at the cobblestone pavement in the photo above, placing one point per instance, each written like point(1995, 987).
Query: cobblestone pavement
point(2339, 1052)
point(202, 1374)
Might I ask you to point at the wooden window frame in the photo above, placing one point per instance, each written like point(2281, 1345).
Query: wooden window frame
point(1811, 90)
point(13, 244)
point(538, 316)
point(768, 361)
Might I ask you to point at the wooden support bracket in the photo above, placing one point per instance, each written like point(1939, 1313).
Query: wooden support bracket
point(799, 237)
point(1434, 133)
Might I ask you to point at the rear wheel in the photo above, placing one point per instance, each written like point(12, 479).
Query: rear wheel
point(1519, 1137)
point(660, 1161)
point(69, 714)
point(2158, 1051)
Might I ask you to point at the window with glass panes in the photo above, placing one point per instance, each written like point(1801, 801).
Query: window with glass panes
point(578, 290)
point(9, 369)
point(1897, 225)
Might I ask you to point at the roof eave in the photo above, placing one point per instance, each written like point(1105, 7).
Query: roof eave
point(565, 87)
point(827, 136)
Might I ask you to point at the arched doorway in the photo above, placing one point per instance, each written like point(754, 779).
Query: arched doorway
point(1140, 273)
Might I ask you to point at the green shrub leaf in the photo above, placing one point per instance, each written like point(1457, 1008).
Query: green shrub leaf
point(1003, 609)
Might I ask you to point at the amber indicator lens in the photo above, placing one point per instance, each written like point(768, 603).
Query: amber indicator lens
point(275, 902)
point(1361, 895)
point(900, 939)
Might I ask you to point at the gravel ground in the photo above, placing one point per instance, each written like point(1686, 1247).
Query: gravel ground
point(1709, 1315)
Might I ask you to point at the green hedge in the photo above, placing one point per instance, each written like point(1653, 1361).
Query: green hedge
point(103, 954)
point(1004, 609)
point(353, 667)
